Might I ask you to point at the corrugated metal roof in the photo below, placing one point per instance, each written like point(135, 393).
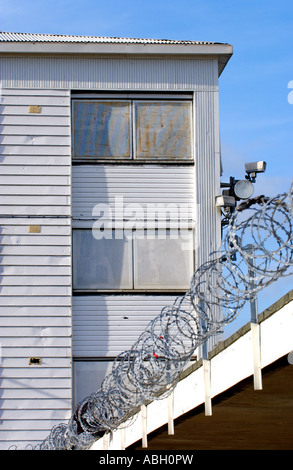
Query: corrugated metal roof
point(45, 38)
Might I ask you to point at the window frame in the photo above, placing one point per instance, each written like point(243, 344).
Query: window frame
point(133, 98)
point(133, 265)
point(126, 261)
point(130, 127)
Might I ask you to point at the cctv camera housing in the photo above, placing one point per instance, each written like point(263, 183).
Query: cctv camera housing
point(255, 167)
point(225, 201)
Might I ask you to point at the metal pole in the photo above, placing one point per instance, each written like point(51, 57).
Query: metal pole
point(143, 411)
point(206, 368)
point(122, 438)
point(253, 298)
point(171, 414)
point(255, 328)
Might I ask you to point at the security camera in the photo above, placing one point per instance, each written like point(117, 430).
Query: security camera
point(238, 190)
point(225, 201)
point(255, 167)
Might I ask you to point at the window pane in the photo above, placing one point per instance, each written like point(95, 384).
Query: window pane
point(163, 263)
point(163, 130)
point(101, 129)
point(88, 377)
point(101, 264)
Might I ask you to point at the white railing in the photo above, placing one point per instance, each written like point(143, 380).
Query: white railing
point(243, 355)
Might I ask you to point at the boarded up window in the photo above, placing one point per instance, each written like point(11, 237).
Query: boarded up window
point(101, 129)
point(101, 264)
point(143, 261)
point(163, 263)
point(163, 130)
point(132, 129)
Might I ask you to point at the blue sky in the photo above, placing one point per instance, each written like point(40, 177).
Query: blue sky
point(256, 118)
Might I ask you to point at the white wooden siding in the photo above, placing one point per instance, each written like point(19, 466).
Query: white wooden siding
point(104, 326)
point(141, 185)
point(35, 273)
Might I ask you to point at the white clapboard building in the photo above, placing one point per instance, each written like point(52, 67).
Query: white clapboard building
point(110, 165)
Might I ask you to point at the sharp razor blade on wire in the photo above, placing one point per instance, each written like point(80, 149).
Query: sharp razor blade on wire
point(256, 251)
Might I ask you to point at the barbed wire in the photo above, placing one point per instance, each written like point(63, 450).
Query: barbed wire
point(256, 251)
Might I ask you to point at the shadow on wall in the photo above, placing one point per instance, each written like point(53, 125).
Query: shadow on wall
point(97, 265)
point(98, 255)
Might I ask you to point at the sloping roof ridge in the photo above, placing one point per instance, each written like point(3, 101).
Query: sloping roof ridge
point(43, 37)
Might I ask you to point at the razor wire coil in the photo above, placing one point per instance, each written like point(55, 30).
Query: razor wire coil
point(256, 251)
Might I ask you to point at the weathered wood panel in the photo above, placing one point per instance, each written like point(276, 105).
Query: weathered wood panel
point(35, 272)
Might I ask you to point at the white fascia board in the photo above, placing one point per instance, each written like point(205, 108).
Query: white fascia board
point(222, 52)
point(18, 47)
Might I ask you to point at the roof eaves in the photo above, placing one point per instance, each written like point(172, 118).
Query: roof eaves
point(43, 44)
